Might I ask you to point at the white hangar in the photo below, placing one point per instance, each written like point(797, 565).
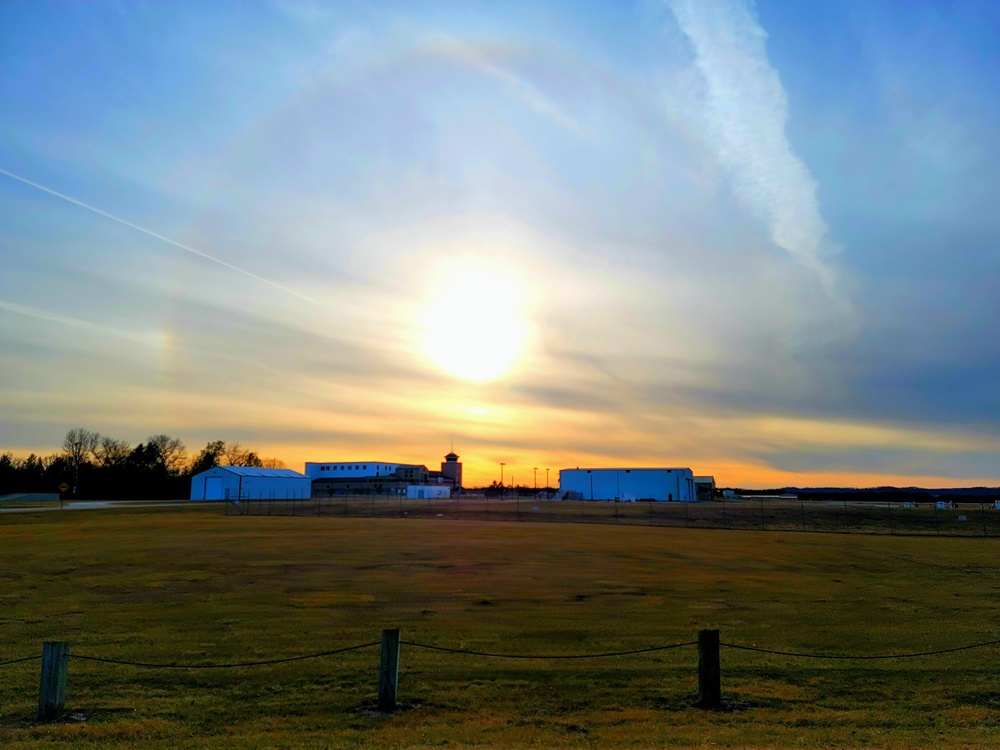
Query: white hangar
point(658, 485)
point(250, 483)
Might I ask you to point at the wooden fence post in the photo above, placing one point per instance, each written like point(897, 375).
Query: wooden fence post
point(388, 676)
point(52, 685)
point(709, 670)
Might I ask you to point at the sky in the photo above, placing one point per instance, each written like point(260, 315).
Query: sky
point(756, 239)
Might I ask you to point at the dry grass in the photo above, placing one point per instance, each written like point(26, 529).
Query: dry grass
point(192, 585)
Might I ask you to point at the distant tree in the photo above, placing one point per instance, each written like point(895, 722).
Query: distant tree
point(48, 473)
point(223, 453)
point(210, 456)
point(147, 475)
point(172, 452)
point(111, 453)
point(78, 446)
point(34, 466)
point(145, 460)
point(252, 459)
point(234, 454)
point(8, 474)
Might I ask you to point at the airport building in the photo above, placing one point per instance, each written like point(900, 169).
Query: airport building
point(704, 488)
point(381, 477)
point(249, 483)
point(631, 484)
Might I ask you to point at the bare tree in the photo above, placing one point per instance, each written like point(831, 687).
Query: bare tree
point(273, 463)
point(78, 446)
point(110, 452)
point(252, 459)
point(234, 455)
point(173, 453)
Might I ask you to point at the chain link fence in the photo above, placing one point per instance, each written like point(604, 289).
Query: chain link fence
point(974, 519)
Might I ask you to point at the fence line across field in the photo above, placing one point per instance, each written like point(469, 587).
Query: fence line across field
point(55, 658)
point(978, 519)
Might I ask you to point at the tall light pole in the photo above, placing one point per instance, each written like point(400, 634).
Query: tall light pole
point(546, 480)
point(502, 464)
point(535, 469)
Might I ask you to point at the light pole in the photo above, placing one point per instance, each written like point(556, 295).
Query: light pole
point(502, 464)
point(546, 481)
point(535, 469)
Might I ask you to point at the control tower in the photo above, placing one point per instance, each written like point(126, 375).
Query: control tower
point(451, 470)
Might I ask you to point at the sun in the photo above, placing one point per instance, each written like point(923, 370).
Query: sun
point(474, 319)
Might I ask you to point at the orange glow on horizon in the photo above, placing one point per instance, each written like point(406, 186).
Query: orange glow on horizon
point(480, 472)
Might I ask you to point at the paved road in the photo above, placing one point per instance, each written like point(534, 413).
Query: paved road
point(97, 504)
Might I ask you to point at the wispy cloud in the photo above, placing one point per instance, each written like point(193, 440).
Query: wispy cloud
point(155, 235)
point(747, 110)
point(67, 321)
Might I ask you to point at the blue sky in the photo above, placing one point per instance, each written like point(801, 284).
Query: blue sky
point(756, 239)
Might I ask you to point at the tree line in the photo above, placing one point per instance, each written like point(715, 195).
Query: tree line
point(92, 465)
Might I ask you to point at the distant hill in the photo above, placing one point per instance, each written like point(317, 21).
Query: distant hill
point(945, 492)
point(880, 493)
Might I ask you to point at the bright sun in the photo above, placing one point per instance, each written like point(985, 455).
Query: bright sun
point(474, 319)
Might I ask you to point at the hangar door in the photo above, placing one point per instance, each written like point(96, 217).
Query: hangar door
point(213, 488)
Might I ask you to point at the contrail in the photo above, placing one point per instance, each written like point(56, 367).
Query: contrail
point(747, 110)
point(50, 317)
point(181, 245)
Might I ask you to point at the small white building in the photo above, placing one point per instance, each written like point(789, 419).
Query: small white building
point(427, 491)
point(658, 485)
point(250, 483)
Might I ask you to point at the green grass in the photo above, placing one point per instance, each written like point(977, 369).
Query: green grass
point(194, 586)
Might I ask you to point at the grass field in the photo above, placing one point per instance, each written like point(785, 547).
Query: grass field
point(890, 518)
point(192, 585)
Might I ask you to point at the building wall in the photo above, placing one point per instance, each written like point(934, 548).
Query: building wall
point(660, 485)
point(350, 469)
point(451, 470)
point(264, 488)
point(704, 488)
